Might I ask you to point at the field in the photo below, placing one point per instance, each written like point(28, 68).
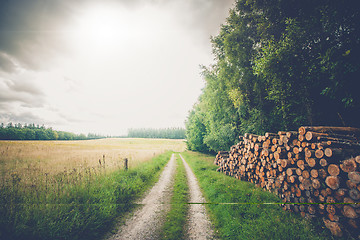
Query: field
point(52, 157)
point(70, 189)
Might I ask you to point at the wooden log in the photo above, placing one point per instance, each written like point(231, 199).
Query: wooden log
point(296, 150)
point(350, 184)
point(354, 177)
point(311, 136)
point(305, 174)
point(307, 184)
point(309, 153)
point(354, 194)
point(272, 135)
point(319, 153)
point(285, 163)
point(322, 173)
point(333, 170)
point(348, 165)
point(332, 182)
point(336, 143)
point(301, 138)
point(349, 212)
point(323, 162)
point(330, 208)
point(311, 162)
point(316, 183)
point(314, 173)
point(301, 164)
point(340, 194)
point(290, 171)
point(331, 130)
point(334, 227)
point(291, 134)
point(339, 152)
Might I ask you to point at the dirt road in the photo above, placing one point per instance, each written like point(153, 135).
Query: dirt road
point(146, 222)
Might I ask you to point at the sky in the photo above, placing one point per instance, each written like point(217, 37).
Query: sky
point(104, 66)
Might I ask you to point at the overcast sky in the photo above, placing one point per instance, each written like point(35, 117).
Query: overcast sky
point(103, 66)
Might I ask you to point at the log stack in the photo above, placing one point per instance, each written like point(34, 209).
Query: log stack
point(315, 170)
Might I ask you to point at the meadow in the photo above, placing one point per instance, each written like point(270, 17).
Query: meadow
point(74, 189)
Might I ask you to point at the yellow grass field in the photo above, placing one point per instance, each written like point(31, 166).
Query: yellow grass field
point(51, 157)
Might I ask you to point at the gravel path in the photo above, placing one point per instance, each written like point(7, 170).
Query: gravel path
point(199, 226)
point(147, 221)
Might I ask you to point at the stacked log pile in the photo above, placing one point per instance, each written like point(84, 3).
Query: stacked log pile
point(315, 170)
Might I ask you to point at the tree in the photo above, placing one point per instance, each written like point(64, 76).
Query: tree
point(280, 64)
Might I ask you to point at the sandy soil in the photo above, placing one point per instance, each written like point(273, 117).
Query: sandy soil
point(147, 221)
point(198, 226)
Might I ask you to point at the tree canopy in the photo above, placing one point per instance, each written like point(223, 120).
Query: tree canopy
point(278, 65)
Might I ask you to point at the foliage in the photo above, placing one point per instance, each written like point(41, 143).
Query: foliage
point(36, 132)
point(76, 204)
point(240, 210)
point(169, 133)
point(279, 65)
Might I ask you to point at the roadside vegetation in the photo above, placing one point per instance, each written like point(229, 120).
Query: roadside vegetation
point(174, 226)
point(238, 211)
point(81, 203)
point(279, 65)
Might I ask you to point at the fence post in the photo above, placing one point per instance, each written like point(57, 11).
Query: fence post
point(126, 164)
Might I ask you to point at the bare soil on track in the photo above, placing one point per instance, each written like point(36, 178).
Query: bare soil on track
point(147, 221)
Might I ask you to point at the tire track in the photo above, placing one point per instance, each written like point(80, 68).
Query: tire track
point(199, 225)
point(148, 220)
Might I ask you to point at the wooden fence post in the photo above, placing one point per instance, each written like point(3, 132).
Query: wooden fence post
point(126, 164)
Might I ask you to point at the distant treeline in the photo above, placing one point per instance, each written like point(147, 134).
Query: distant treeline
point(36, 132)
point(170, 133)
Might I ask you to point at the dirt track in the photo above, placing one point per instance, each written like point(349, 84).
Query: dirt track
point(199, 226)
point(147, 221)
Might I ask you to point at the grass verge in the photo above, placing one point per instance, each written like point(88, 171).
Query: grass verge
point(176, 218)
point(247, 217)
point(73, 206)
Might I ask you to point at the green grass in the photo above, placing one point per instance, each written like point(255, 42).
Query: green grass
point(75, 205)
point(247, 219)
point(176, 218)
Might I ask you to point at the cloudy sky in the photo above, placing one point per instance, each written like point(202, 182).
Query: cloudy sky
point(104, 66)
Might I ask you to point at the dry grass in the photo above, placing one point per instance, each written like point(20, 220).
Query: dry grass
point(52, 157)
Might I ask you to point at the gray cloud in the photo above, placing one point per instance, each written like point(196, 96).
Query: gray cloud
point(30, 31)
point(20, 91)
point(24, 117)
point(6, 64)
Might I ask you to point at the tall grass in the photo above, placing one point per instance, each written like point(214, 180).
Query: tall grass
point(174, 226)
point(81, 203)
point(237, 210)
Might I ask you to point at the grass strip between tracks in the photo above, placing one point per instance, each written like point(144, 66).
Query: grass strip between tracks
point(176, 218)
point(233, 220)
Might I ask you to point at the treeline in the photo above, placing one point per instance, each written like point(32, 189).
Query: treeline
point(279, 64)
point(36, 132)
point(170, 133)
